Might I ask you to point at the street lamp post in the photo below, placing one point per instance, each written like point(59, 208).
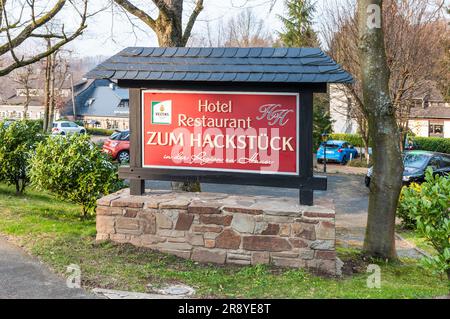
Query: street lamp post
point(324, 139)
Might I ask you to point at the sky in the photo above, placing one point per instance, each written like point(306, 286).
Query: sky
point(110, 31)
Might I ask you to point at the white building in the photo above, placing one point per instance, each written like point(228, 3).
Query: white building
point(340, 110)
point(427, 117)
point(14, 106)
point(431, 119)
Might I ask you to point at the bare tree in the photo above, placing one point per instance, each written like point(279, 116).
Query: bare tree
point(25, 78)
point(168, 25)
point(414, 33)
point(247, 30)
point(56, 72)
point(29, 23)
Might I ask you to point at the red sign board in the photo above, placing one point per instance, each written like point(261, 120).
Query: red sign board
point(221, 131)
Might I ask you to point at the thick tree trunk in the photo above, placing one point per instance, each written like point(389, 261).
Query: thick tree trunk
point(170, 34)
point(169, 31)
point(386, 182)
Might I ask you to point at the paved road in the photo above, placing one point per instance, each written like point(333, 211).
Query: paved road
point(24, 277)
point(348, 191)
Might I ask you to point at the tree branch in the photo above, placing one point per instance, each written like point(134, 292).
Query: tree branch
point(187, 32)
point(50, 50)
point(127, 5)
point(25, 33)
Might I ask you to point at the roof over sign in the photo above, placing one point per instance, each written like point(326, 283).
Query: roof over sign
point(269, 65)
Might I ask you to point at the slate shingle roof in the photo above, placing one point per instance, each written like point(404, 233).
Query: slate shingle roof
point(270, 65)
point(432, 112)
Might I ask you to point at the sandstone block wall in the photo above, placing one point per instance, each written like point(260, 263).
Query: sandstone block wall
point(220, 228)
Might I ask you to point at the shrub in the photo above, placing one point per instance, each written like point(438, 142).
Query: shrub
point(18, 142)
point(407, 198)
point(430, 208)
point(433, 144)
point(75, 169)
point(99, 131)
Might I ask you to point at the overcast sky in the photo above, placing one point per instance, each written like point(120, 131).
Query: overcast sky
point(107, 35)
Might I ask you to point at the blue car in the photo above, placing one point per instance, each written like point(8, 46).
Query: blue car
point(337, 151)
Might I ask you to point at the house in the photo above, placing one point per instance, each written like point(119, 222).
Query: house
point(430, 119)
point(14, 106)
point(429, 115)
point(342, 110)
point(99, 103)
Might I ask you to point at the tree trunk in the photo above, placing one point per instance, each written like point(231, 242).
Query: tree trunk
point(366, 150)
point(169, 31)
point(168, 27)
point(47, 93)
point(170, 34)
point(51, 113)
point(17, 187)
point(386, 182)
point(27, 102)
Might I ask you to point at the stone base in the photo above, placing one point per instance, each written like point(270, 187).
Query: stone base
point(220, 228)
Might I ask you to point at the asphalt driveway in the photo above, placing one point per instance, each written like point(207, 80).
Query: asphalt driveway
point(24, 277)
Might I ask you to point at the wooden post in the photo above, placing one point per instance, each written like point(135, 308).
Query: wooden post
point(305, 139)
point(137, 186)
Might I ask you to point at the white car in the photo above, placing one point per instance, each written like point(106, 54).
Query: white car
point(66, 128)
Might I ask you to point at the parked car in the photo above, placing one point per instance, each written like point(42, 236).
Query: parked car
point(118, 146)
point(66, 128)
point(7, 123)
point(336, 151)
point(416, 163)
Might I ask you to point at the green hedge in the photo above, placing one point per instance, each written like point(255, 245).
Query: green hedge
point(99, 131)
point(433, 144)
point(354, 139)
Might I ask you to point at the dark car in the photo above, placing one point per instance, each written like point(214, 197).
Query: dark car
point(416, 163)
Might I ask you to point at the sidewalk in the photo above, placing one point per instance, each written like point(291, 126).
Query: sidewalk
point(350, 232)
point(24, 277)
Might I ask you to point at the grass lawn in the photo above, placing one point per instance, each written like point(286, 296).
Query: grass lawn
point(52, 230)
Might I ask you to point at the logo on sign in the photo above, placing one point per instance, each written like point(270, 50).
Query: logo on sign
point(162, 112)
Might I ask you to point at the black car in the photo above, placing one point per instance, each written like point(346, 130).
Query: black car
point(416, 163)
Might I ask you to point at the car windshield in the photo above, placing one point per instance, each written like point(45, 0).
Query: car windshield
point(331, 145)
point(115, 135)
point(415, 160)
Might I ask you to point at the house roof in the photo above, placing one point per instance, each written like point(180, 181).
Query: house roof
point(105, 98)
point(21, 100)
point(431, 112)
point(105, 102)
point(269, 65)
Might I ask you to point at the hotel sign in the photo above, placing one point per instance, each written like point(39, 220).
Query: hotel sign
point(221, 131)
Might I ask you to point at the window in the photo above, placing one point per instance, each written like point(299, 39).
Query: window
point(436, 129)
point(65, 124)
point(89, 102)
point(125, 136)
point(434, 163)
point(124, 103)
point(445, 161)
